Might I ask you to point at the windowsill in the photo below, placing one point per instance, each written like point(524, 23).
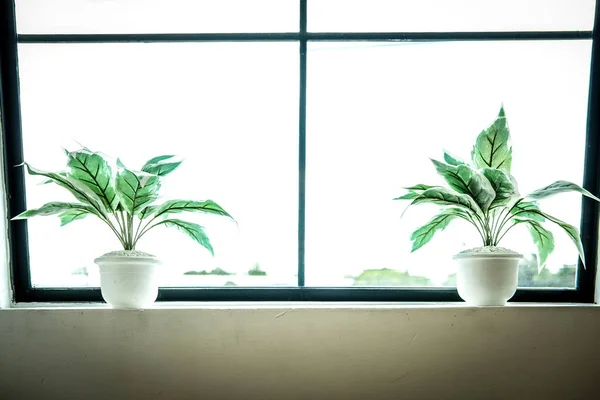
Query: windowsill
point(292, 306)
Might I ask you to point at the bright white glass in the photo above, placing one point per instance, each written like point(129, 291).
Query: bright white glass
point(449, 15)
point(156, 16)
point(378, 111)
point(230, 110)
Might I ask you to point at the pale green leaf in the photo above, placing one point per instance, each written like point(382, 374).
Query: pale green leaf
point(136, 190)
point(93, 171)
point(414, 192)
point(161, 165)
point(176, 206)
point(194, 231)
point(571, 231)
point(560, 187)
point(503, 186)
point(452, 160)
point(56, 207)
point(408, 196)
point(492, 148)
point(527, 210)
point(466, 180)
point(69, 216)
point(424, 234)
point(80, 191)
point(446, 197)
point(420, 187)
point(542, 238)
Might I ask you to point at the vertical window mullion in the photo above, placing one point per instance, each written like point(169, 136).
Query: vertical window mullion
point(13, 150)
point(302, 146)
point(590, 211)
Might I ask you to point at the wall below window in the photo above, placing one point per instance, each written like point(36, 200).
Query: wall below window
point(516, 352)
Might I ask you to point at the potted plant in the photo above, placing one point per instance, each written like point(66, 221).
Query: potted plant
point(124, 200)
point(485, 194)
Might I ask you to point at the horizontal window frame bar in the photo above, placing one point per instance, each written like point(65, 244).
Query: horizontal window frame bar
point(301, 294)
point(297, 36)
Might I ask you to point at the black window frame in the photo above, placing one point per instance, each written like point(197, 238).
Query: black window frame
point(23, 291)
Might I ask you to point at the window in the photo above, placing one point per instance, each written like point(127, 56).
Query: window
point(303, 119)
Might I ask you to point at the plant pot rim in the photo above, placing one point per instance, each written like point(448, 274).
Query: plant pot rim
point(127, 256)
point(496, 252)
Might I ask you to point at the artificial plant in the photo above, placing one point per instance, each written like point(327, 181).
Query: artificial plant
point(121, 198)
point(485, 194)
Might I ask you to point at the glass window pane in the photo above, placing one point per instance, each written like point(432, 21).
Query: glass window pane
point(230, 110)
point(449, 15)
point(156, 16)
point(378, 111)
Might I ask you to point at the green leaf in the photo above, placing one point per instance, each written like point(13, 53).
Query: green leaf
point(408, 196)
point(414, 192)
point(93, 171)
point(527, 210)
point(492, 147)
point(194, 231)
point(55, 207)
point(158, 159)
point(560, 187)
point(176, 206)
point(160, 166)
point(503, 186)
point(420, 187)
point(424, 234)
point(136, 190)
point(147, 211)
point(543, 240)
point(67, 217)
point(466, 180)
point(80, 191)
point(445, 197)
point(570, 230)
point(450, 159)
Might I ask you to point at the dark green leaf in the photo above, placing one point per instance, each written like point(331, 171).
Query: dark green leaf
point(158, 159)
point(93, 171)
point(466, 180)
point(414, 192)
point(503, 186)
point(492, 147)
point(420, 187)
point(424, 234)
point(80, 191)
point(560, 187)
point(446, 197)
point(55, 207)
point(176, 206)
point(194, 231)
point(407, 196)
point(136, 190)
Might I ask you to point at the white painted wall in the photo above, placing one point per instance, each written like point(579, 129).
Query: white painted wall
point(516, 352)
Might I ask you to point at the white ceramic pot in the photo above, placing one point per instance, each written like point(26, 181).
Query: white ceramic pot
point(487, 278)
point(128, 278)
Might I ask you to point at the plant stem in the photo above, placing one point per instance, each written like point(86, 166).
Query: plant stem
point(508, 229)
point(508, 217)
point(477, 227)
point(121, 227)
point(126, 229)
point(130, 227)
point(119, 236)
